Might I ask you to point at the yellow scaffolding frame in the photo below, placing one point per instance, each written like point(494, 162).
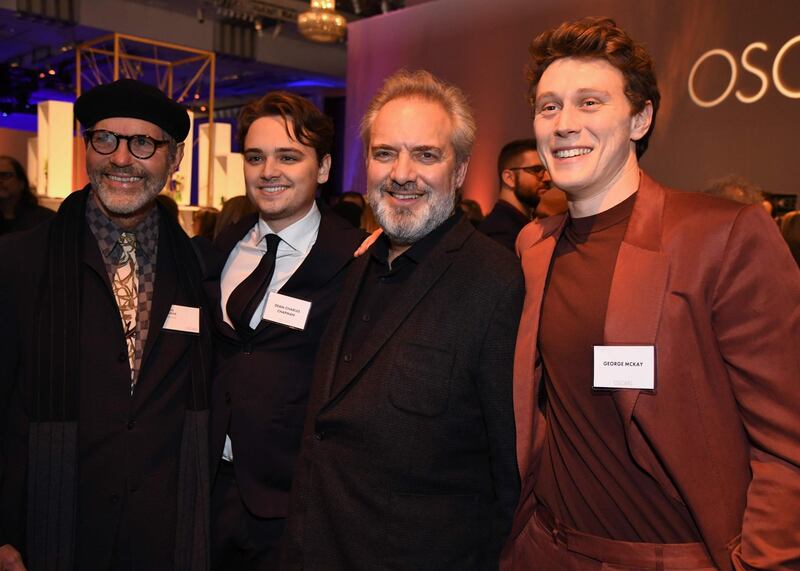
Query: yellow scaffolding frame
point(123, 62)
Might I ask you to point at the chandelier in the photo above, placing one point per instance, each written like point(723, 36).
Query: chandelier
point(322, 23)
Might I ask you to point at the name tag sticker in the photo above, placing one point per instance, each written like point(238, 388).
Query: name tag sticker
point(183, 318)
point(624, 367)
point(288, 311)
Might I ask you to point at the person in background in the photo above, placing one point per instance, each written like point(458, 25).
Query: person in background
point(522, 180)
point(19, 206)
point(737, 188)
point(350, 206)
point(233, 210)
point(790, 230)
point(204, 221)
point(472, 210)
point(105, 359)
point(656, 366)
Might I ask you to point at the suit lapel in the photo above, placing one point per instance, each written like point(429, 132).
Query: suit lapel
point(327, 257)
point(425, 276)
point(639, 284)
point(535, 265)
point(94, 259)
point(215, 261)
point(164, 292)
point(329, 254)
point(330, 350)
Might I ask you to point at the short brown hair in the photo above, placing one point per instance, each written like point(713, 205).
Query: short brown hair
point(511, 151)
point(311, 127)
point(600, 38)
point(424, 85)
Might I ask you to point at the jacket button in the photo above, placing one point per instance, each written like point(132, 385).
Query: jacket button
point(131, 425)
point(319, 435)
point(114, 498)
point(347, 357)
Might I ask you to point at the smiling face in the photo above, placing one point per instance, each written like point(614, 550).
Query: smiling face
point(280, 173)
point(412, 175)
point(584, 126)
point(126, 187)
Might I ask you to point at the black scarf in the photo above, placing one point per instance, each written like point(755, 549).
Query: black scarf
point(52, 452)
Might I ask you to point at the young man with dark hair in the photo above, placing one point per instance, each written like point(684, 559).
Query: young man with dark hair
point(656, 369)
point(274, 277)
point(523, 180)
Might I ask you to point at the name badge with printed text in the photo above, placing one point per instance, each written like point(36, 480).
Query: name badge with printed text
point(183, 318)
point(624, 367)
point(286, 310)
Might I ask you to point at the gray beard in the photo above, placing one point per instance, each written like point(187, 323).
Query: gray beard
point(402, 225)
point(112, 204)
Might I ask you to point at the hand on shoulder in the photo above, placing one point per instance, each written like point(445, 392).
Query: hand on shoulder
point(368, 241)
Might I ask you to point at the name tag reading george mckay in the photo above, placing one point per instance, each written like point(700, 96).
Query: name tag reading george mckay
point(183, 318)
point(624, 367)
point(286, 310)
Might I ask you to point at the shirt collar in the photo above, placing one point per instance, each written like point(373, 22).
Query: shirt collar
point(299, 236)
point(107, 233)
point(420, 249)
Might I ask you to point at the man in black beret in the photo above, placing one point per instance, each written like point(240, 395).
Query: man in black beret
point(103, 372)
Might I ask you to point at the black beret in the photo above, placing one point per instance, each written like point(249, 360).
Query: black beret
point(131, 98)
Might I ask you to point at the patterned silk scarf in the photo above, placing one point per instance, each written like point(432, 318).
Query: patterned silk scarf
point(126, 290)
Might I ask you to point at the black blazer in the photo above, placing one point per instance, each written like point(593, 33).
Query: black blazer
point(260, 388)
point(411, 464)
point(503, 224)
point(128, 447)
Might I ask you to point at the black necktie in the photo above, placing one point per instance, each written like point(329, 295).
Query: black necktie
point(247, 295)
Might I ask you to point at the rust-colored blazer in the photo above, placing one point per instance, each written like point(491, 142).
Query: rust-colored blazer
point(710, 283)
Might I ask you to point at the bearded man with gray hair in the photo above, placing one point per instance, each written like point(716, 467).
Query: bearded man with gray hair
point(104, 360)
point(408, 458)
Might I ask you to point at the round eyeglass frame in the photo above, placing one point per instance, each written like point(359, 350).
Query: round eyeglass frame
point(89, 134)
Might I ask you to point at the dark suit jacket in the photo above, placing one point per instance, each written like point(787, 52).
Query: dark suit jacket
point(710, 283)
point(503, 224)
point(411, 464)
point(260, 388)
point(127, 446)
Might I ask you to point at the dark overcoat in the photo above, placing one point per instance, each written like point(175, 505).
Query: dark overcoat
point(410, 462)
point(127, 446)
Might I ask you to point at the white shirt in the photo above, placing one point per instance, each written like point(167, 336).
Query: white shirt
point(296, 242)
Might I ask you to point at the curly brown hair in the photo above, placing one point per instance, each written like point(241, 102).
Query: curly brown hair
point(600, 38)
point(311, 126)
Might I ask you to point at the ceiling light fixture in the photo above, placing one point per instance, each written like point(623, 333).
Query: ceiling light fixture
point(322, 23)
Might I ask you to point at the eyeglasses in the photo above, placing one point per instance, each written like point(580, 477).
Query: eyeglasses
point(106, 142)
point(7, 175)
point(532, 169)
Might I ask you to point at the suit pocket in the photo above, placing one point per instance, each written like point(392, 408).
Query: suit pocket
point(420, 381)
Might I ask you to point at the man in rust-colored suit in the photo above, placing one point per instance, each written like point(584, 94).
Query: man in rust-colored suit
point(657, 365)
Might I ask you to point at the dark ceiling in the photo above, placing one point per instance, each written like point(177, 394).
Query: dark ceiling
point(37, 60)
